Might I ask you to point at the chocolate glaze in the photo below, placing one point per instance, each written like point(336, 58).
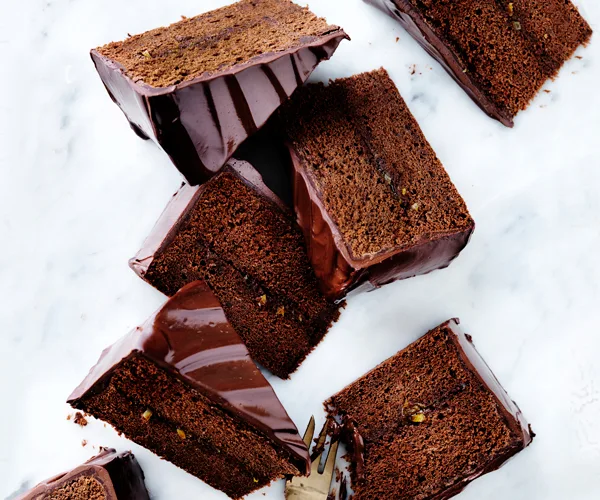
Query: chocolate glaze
point(513, 416)
point(416, 25)
point(191, 338)
point(181, 203)
point(338, 271)
point(199, 123)
point(119, 473)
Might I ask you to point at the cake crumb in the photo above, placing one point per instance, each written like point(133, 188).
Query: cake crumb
point(80, 419)
point(84, 443)
point(578, 57)
point(413, 69)
point(397, 39)
point(547, 91)
point(69, 416)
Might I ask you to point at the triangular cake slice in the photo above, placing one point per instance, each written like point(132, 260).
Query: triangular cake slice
point(235, 234)
point(201, 86)
point(183, 385)
point(428, 421)
point(107, 476)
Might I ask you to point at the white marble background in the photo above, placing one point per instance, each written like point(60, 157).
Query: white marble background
point(79, 192)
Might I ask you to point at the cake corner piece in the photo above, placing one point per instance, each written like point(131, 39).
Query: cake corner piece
point(436, 405)
point(108, 475)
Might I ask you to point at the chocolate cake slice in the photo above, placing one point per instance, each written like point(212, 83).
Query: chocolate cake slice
point(183, 385)
point(428, 421)
point(499, 52)
point(235, 234)
point(373, 200)
point(201, 86)
point(107, 476)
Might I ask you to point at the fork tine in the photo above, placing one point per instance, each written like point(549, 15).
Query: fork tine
point(316, 486)
point(331, 459)
point(310, 432)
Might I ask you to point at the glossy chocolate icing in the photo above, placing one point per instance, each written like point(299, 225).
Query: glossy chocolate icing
point(199, 123)
point(181, 203)
point(119, 474)
point(349, 430)
point(191, 338)
point(338, 271)
point(413, 22)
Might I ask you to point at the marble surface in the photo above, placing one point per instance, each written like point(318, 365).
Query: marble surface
point(79, 192)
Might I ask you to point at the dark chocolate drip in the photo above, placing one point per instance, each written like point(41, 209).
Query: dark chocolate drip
point(275, 82)
point(119, 474)
point(357, 447)
point(210, 101)
point(344, 489)
point(171, 134)
point(319, 52)
point(240, 103)
point(299, 80)
point(191, 337)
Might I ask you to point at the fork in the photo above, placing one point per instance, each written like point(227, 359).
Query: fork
point(316, 486)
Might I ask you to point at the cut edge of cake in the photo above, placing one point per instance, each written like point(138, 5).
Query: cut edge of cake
point(328, 34)
point(324, 46)
point(338, 268)
point(181, 203)
point(413, 21)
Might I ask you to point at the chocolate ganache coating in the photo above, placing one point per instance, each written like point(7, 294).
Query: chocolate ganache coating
point(191, 338)
point(413, 22)
point(119, 474)
point(338, 271)
point(200, 123)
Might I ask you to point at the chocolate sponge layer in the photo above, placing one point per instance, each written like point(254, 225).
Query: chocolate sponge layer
point(428, 421)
